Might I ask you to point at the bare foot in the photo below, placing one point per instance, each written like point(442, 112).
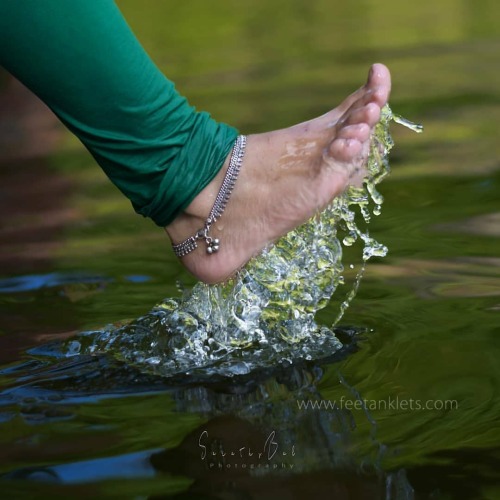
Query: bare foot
point(287, 176)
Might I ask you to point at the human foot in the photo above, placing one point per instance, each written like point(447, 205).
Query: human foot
point(287, 176)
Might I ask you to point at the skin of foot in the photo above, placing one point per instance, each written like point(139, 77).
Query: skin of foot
point(287, 176)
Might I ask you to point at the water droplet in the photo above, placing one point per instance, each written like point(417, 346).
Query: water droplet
point(265, 315)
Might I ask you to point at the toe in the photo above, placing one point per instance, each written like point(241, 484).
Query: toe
point(379, 84)
point(345, 149)
point(359, 131)
point(368, 114)
point(371, 114)
point(379, 76)
point(376, 89)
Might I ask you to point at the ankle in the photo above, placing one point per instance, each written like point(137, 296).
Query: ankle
point(196, 213)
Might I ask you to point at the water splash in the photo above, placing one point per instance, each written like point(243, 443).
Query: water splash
point(265, 316)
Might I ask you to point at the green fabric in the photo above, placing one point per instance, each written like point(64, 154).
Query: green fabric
point(81, 58)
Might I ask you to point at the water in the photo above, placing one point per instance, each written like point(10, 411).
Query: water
point(265, 317)
point(423, 324)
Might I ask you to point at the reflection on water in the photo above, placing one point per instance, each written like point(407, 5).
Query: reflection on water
point(485, 225)
point(252, 434)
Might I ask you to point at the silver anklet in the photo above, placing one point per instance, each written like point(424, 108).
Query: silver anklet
point(191, 243)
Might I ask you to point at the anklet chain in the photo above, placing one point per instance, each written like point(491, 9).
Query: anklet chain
point(191, 243)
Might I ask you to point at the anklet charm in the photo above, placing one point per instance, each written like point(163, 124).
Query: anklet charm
point(213, 244)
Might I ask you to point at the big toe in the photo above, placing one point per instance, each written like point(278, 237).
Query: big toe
point(379, 76)
point(379, 80)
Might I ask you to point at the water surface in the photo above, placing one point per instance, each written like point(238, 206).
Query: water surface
point(423, 327)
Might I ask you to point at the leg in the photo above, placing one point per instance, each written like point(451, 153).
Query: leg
point(286, 177)
point(164, 156)
point(81, 58)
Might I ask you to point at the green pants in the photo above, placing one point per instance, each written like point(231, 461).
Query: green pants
point(81, 58)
